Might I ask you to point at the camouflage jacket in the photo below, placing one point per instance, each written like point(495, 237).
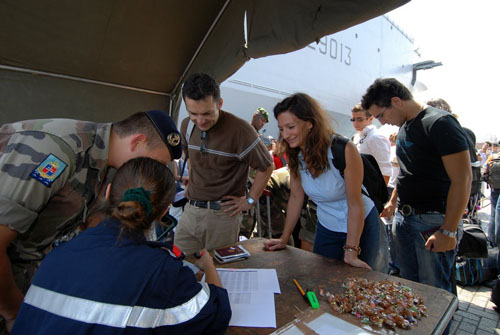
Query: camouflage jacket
point(50, 171)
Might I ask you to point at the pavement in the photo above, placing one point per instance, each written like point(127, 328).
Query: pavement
point(475, 314)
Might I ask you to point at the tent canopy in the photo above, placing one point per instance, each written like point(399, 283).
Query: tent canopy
point(152, 45)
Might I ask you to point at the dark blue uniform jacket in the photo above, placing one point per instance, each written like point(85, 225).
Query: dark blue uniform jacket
point(101, 284)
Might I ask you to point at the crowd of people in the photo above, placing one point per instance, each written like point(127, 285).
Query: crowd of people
point(79, 200)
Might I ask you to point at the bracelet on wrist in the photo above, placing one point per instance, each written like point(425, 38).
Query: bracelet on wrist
point(354, 248)
point(448, 233)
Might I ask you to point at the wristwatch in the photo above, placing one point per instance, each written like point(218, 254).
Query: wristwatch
point(250, 200)
point(448, 233)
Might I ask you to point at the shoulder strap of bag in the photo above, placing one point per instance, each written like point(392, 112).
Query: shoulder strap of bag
point(183, 167)
point(189, 130)
point(338, 152)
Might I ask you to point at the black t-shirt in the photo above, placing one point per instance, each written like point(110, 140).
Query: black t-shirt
point(421, 142)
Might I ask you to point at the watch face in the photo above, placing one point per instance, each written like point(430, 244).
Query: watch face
point(250, 201)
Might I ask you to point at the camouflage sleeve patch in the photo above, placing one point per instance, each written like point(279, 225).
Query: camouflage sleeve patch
point(48, 171)
point(27, 177)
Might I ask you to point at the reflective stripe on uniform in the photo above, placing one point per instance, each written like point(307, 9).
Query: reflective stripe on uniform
point(120, 316)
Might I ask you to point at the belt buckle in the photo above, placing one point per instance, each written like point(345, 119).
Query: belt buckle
point(406, 210)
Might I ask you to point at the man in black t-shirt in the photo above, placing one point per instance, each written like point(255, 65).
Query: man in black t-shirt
point(433, 184)
point(475, 160)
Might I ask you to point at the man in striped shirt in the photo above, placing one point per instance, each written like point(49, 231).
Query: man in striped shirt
point(221, 148)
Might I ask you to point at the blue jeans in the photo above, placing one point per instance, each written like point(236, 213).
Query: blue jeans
point(415, 262)
point(494, 227)
point(393, 265)
point(330, 243)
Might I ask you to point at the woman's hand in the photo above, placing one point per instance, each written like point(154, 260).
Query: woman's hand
point(351, 258)
point(205, 262)
point(274, 244)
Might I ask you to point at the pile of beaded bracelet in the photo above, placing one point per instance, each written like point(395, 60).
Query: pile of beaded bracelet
point(353, 248)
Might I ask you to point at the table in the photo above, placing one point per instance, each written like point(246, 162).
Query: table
point(314, 271)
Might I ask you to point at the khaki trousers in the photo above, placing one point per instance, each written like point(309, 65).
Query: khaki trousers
point(205, 228)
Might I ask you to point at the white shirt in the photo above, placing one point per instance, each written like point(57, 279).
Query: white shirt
point(374, 143)
point(395, 168)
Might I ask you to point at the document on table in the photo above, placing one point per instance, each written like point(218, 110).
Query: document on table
point(319, 322)
point(249, 280)
point(251, 295)
point(328, 324)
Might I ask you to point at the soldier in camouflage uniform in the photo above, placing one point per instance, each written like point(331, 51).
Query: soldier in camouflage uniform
point(51, 172)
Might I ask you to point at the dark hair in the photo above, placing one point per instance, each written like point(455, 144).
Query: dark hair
point(138, 123)
point(199, 86)
point(440, 104)
point(149, 174)
point(382, 91)
point(318, 139)
point(358, 108)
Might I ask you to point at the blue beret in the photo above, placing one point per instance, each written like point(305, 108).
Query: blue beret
point(168, 131)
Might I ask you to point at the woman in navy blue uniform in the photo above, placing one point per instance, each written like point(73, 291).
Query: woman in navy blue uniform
point(110, 280)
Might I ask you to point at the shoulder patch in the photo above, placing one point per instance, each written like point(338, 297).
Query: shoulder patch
point(49, 170)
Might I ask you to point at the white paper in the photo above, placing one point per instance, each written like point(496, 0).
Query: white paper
point(249, 280)
point(255, 309)
point(251, 296)
point(327, 324)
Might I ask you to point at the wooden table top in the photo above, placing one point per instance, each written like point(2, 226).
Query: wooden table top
point(313, 271)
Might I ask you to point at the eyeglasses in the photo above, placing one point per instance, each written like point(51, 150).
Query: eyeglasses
point(358, 119)
point(203, 146)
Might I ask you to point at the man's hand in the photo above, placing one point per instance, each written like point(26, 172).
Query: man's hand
point(439, 242)
point(235, 205)
point(389, 210)
point(274, 244)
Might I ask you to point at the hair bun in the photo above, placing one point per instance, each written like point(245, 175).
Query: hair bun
point(140, 195)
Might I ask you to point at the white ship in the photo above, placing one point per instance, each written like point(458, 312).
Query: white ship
point(336, 70)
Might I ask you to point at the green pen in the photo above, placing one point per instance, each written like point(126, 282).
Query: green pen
point(313, 300)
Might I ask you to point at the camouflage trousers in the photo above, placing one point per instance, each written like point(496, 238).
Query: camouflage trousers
point(308, 221)
point(248, 223)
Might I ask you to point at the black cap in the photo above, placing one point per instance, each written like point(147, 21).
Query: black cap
point(168, 131)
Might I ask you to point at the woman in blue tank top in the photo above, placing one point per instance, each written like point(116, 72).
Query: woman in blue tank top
point(348, 227)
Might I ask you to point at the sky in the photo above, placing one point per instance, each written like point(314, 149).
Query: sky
point(464, 36)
